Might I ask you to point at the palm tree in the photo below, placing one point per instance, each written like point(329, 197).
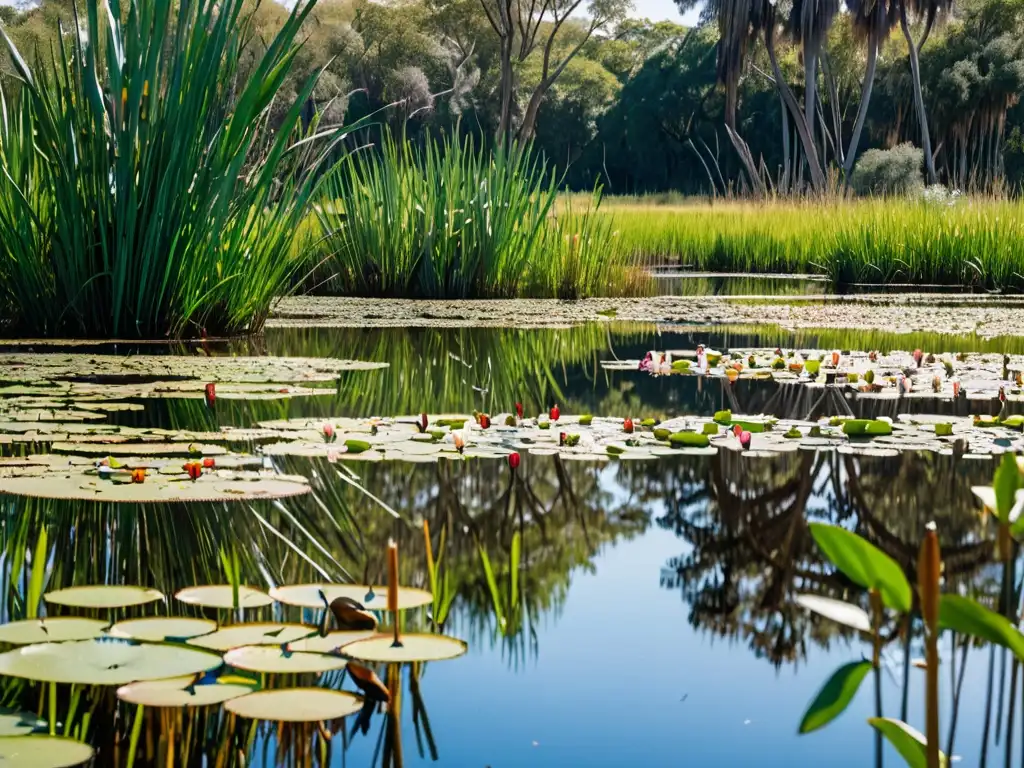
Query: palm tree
point(871, 20)
point(927, 11)
point(809, 23)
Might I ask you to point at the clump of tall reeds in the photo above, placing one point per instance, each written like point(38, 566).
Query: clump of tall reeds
point(143, 191)
point(447, 219)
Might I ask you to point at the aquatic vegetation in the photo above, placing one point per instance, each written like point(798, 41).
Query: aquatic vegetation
point(864, 241)
point(295, 705)
point(450, 220)
point(146, 225)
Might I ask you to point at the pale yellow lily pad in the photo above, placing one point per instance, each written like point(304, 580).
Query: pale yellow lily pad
point(156, 629)
point(51, 630)
point(295, 705)
point(372, 598)
point(194, 450)
point(329, 642)
point(156, 489)
point(222, 596)
point(103, 596)
point(43, 752)
point(273, 660)
point(414, 647)
point(256, 633)
point(105, 661)
point(172, 693)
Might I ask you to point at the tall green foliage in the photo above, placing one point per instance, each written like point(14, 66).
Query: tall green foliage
point(143, 194)
point(453, 221)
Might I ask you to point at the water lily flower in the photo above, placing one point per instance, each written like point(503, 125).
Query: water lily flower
point(459, 440)
point(936, 384)
point(554, 413)
point(627, 425)
point(737, 430)
point(873, 356)
point(732, 375)
point(562, 436)
point(745, 439)
point(138, 475)
point(208, 462)
point(328, 430)
point(956, 388)
point(513, 461)
point(918, 356)
point(835, 359)
point(484, 420)
point(647, 363)
point(211, 394)
point(194, 470)
point(519, 410)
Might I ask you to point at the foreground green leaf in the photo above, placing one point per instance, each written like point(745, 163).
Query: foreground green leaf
point(835, 696)
point(864, 564)
point(967, 617)
point(909, 742)
point(1005, 484)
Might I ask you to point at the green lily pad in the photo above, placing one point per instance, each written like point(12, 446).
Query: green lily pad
point(223, 596)
point(295, 705)
point(157, 629)
point(103, 596)
point(330, 642)
point(180, 692)
point(414, 647)
point(273, 660)
point(254, 633)
point(372, 598)
point(43, 751)
point(51, 630)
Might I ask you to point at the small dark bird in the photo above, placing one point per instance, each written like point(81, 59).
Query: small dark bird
point(368, 682)
point(348, 614)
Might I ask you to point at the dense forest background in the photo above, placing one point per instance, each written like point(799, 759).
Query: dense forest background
point(645, 107)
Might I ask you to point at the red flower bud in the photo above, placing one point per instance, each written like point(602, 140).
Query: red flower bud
point(211, 393)
point(561, 438)
point(208, 463)
point(138, 475)
point(519, 410)
point(194, 470)
point(485, 421)
point(737, 430)
point(423, 422)
point(513, 461)
point(745, 439)
point(627, 425)
point(328, 430)
point(554, 413)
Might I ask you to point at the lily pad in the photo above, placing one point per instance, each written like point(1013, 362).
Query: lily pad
point(372, 598)
point(197, 450)
point(157, 629)
point(51, 630)
point(237, 635)
point(222, 596)
point(273, 660)
point(104, 661)
point(103, 596)
point(180, 692)
point(82, 487)
point(414, 647)
point(330, 642)
point(43, 751)
point(295, 705)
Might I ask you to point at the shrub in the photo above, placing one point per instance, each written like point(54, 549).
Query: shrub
point(895, 171)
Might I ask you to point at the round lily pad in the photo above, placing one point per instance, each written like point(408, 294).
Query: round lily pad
point(272, 660)
point(372, 598)
point(175, 692)
point(80, 486)
point(103, 596)
point(51, 630)
point(222, 596)
point(140, 449)
point(256, 633)
point(381, 648)
point(104, 661)
point(295, 705)
point(17, 723)
point(157, 629)
point(43, 751)
point(329, 642)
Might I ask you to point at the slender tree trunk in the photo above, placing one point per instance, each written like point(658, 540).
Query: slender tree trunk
point(529, 125)
point(922, 115)
point(784, 182)
point(817, 175)
point(811, 91)
point(862, 108)
point(507, 89)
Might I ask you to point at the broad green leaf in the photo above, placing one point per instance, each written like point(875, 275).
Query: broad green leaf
point(909, 742)
point(1005, 484)
point(969, 618)
point(864, 564)
point(37, 577)
point(835, 696)
point(847, 614)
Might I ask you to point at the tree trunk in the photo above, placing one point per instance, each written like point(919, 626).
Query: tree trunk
point(507, 89)
point(784, 183)
point(862, 108)
point(922, 115)
point(810, 90)
point(817, 175)
point(530, 116)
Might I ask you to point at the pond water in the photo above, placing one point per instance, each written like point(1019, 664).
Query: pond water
point(651, 618)
point(669, 281)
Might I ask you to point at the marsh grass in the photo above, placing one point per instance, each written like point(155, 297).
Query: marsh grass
point(450, 220)
point(969, 242)
point(145, 192)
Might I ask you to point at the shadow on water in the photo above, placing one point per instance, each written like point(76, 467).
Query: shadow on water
point(586, 592)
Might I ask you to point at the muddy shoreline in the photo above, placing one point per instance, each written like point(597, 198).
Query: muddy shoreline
point(985, 316)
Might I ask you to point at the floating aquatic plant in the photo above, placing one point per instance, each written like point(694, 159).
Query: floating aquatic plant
point(295, 705)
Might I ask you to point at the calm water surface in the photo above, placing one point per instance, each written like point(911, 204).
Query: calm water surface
point(655, 622)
